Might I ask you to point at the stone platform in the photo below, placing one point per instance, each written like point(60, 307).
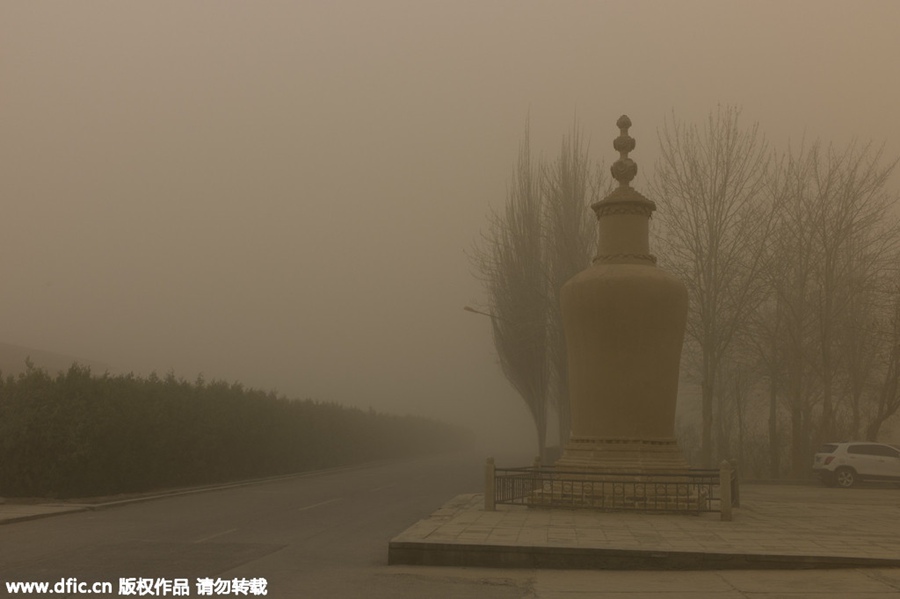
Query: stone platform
point(777, 526)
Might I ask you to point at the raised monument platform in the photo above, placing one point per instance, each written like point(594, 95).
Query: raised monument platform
point(780, 526)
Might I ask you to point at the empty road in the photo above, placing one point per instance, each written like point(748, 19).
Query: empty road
point(325, 535)
point(318, 535)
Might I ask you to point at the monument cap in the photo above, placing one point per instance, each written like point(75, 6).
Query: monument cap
point(624, 169)
point(624, 198)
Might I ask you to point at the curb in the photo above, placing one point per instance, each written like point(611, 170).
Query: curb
point(412, 553)
point(59, 510)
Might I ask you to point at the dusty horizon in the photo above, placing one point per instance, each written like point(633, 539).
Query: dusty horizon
point(283, 194)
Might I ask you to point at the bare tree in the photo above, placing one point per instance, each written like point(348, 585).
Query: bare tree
point(510, 263)
point(570, 186)
point(766, 330)
point(844, 202)
point(734, 385)
point(713, 180)
point(831, 250)
point(786, 321)
point(545, 235)
point(863, 326)
point(886, 399)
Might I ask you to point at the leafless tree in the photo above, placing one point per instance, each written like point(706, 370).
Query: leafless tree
point(712, 183)
point(765, 338)
point(832, 245)
point(734, 385)
point(570, 186)
point(845, 202)
point(886, 398)
point(545, 235)
point(510, 262)
point(863, 328)
point(784, 326)
point(794, 262)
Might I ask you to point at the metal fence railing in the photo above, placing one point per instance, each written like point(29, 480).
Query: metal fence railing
point(691, 491)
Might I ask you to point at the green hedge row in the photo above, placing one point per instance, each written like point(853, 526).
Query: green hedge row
point(78, 435)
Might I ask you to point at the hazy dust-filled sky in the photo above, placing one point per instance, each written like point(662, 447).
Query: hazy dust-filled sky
point(282, 193)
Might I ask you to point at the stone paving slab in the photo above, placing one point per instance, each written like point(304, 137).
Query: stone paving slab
point(777, 526)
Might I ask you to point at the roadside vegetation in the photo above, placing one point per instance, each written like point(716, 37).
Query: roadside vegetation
point(79, 435)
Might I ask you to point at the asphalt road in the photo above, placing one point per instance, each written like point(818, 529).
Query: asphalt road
point(325, 535)
point(319, 535)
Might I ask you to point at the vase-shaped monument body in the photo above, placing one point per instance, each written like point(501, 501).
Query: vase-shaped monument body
point(624, 321)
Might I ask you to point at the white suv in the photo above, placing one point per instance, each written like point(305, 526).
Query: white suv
point(844, 464)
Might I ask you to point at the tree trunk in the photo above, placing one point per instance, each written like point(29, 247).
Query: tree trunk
point(723, 448)
point(706, 426)
point(774, 466)
point(740, 415)
point(798, 457)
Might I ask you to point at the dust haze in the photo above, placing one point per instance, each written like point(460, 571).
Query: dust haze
point(282, 193)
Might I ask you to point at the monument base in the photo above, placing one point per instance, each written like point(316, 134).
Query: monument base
point(622, 455)
point(615, 474)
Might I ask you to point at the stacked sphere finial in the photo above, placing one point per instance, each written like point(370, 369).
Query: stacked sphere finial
point(624, 169)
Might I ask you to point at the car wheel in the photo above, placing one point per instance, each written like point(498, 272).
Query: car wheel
point(845, 477)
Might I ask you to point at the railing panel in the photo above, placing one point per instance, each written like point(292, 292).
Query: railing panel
point(693, 491)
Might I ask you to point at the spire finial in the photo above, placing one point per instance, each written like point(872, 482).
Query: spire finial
point(624, 169)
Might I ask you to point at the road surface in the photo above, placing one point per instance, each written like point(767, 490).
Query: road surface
point(325, 535)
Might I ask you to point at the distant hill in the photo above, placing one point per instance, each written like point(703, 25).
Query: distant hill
point(12, 360)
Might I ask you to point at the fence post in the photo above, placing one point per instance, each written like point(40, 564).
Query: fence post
point(489, 485)
point(735, 485)
point(535, 475)
point(725, 490)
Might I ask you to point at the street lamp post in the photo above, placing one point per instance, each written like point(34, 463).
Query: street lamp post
point(471, 309)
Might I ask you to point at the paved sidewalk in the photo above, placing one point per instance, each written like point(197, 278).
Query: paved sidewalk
point(15, 510)
point(777, 526)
